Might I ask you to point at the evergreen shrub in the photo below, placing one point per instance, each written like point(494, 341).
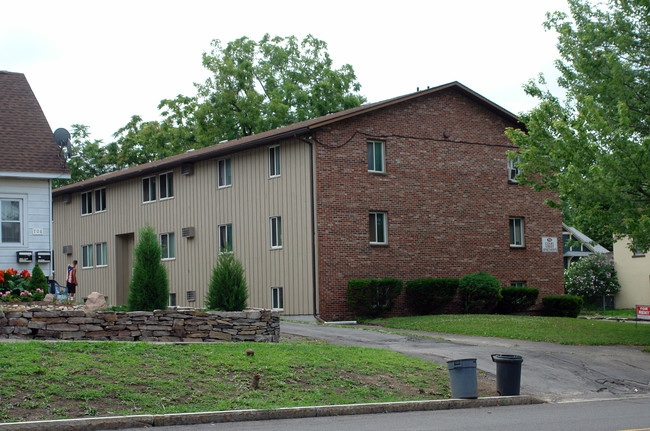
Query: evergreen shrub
point(479, 292)
point(149, 286)
point(228, 290)
point(562, 305)
point(373, 297)
point(429, 295)
point(517, 299)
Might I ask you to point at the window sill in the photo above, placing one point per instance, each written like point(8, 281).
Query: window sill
point(167, 259)
point(380, 173)
point(517, 247)
point(166, 199)
point(378, 244)
point(224, 187)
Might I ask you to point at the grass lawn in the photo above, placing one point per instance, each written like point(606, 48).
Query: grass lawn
point(562, 330)
point(42, 381)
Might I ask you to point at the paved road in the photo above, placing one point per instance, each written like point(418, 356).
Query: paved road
point(550, 371)
point(611, 415)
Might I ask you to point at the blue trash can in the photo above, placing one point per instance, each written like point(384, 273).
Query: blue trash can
point(462, 375)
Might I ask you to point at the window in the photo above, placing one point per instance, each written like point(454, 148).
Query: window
point(86, 203)
point(87, 256)
point(276, 232)
point(172, 300)
point(101, 254)
point(100, 200)
point(377, 222)
point(148, 189)
point(513, 171)
point(277, 298)
point(11, 220)
point(516, 232)
point(223, 172)
point(376, 156)
point(168, 245)
point(517, 284)
point(274, 161)
point(225, 238)
point(190, 295)
point(166, 186)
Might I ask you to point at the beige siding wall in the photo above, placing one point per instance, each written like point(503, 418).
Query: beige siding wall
point(633, 275)
point(248, 204)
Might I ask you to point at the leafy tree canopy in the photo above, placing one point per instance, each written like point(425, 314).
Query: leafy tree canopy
point(254, 87)
point(593, 146)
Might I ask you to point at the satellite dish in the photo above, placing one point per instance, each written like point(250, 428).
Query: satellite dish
point(62, 139)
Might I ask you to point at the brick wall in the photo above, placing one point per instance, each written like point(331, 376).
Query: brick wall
point(446, 195)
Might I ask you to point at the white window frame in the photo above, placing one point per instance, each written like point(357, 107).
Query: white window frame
point(274, 161)
point(517, 284)
point(151, 185)
point(373, 225)
point(100, 199)
point(275, 232)
point(166, 185)
point(87, 254)
point(87, 203)
point(513, 171)
point(101, 254)
point(171, 301)
point(516, 227)
point(168, 250)
point(225, 244)
point(277, 298)
point(20, 223)
point(372, 157)
point(224, 171)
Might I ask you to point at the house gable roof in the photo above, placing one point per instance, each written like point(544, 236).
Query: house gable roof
point(294, 130)
point(26, 141)
point(585, 241)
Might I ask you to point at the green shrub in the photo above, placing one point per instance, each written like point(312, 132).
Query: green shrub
point(479, 292)
point(516, 299)
point(149, 287)
point(562, 305)
point(428, 295)
point(38, 283)
point(592, 276)
point(373, 297)
point(228, 290)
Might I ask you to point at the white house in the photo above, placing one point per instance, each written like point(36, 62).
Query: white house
point(30, 161)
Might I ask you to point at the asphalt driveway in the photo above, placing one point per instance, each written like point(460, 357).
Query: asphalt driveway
point(552, 372)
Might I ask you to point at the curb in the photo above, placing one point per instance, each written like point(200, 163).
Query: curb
point(141, 421)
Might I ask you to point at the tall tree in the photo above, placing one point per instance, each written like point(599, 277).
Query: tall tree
point(593, 146)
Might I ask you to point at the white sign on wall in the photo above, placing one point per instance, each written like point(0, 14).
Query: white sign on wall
point(549, 244)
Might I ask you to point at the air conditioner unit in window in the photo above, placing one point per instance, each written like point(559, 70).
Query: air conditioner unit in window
point(66, 198)
point(191, 295)
point(67, 249)
point(187, 232)
point(187, 168)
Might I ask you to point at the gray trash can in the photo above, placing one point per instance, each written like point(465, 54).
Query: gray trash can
point(508, 373)
point(462, 374)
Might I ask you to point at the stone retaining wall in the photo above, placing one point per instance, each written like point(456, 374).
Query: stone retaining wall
point(172, 325)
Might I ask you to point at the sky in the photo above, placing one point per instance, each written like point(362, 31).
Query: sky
point(98, 63)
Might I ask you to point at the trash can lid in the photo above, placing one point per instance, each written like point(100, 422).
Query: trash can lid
point(506, 358)
point(461, 363)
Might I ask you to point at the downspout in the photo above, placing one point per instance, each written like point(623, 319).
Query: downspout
point(313, 228)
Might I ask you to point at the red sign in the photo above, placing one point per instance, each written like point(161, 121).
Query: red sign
point(643, 311)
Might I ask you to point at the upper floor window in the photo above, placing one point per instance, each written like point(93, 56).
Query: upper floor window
point(225, 238)
point(100, 200)
point(166, 185)
point(516, 232)
point(276, 232)
point(274, 161)
point(224, 173)
point(10, 220)
point(86, 203)
point(168, 245)
point(149, 189)
point(513, 171)
point(376, 159)
point(378, 228)
point(101, 254)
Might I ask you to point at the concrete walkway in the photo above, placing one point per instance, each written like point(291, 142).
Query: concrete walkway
point(551, 372)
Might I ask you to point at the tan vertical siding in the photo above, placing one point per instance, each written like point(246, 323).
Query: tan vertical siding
point(197, 202)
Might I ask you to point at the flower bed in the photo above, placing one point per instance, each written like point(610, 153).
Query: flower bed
point(16, 287)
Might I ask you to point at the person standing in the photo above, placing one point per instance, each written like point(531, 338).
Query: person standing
point(71, 280)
